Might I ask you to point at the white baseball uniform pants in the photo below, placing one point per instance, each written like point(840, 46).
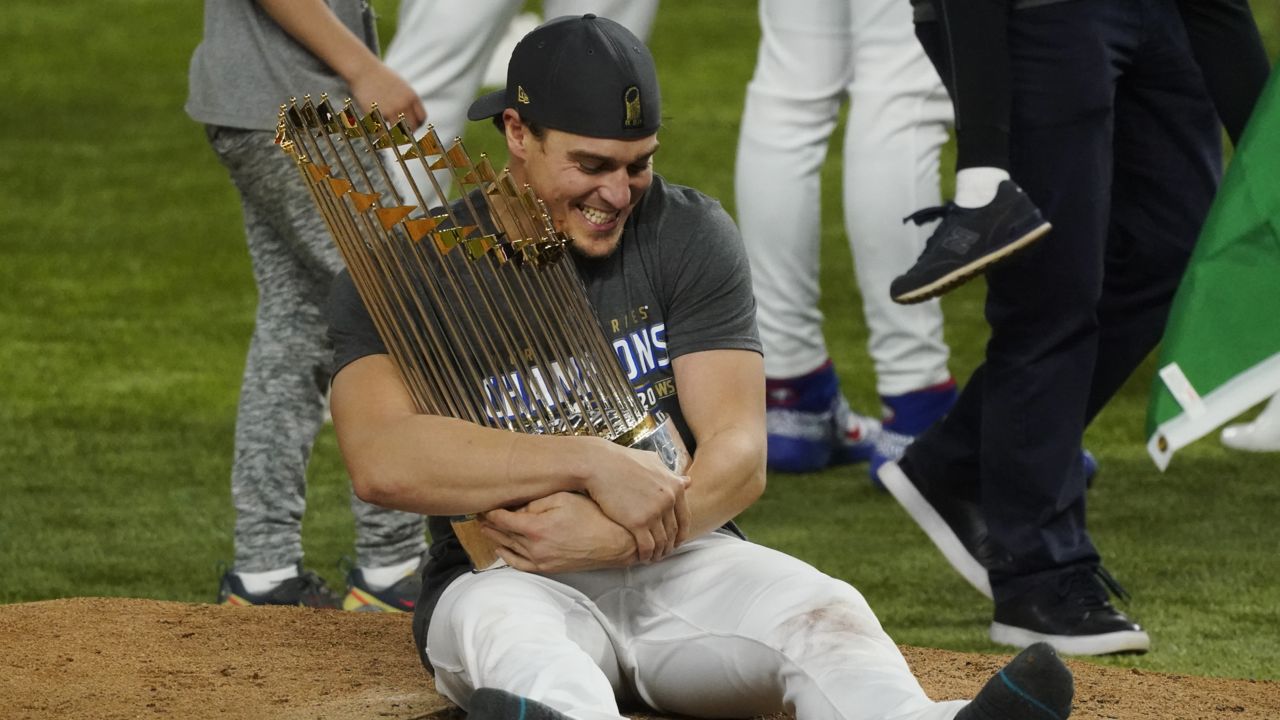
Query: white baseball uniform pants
point(814, 55)
point(722, 628)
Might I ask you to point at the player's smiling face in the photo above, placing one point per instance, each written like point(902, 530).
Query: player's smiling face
point(590, 185)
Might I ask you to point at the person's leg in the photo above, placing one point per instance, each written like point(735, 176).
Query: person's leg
point(390, 548)
point(1043, 308)
point(979, 82)
point(937, 480)
point(389, 544)
point(635, 15)
point(896, 126)
point(527, 635)
point(1228, 48)
point(727, 628)
point(286, 368)
point(441, 48)
point(792, 105)
point(1168, 161)
point(990, 219)
point(1042, 305)
point(1017, 426)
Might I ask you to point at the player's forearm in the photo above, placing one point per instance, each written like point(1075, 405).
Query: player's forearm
point(722, 396)
point(726, 477)
point(313, 24)
point(444, 466)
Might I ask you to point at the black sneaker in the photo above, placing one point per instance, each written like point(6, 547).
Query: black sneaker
point(493, 704)
point(967, 242)
point(307, 589)
point(1073, 613)
point(955, 525)
point(400, 597)
point(1035, 684)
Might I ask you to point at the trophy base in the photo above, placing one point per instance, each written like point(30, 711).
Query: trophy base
point(652, 434)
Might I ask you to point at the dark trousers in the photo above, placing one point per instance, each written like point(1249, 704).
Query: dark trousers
point(1114, 137)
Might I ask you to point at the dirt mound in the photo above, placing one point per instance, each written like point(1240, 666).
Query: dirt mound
point(118, 658)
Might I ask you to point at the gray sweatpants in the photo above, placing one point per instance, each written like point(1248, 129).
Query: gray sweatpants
point(288, 367)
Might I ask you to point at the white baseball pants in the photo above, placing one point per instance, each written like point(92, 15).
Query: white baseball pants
point(814, 55)
point(722, 628)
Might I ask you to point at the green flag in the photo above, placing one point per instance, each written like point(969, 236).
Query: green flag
point(1221, 350)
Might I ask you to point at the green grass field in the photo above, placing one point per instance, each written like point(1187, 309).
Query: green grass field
point(126, 304)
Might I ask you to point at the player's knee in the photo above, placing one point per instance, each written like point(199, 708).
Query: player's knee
point(485, 616)
point(833, 625)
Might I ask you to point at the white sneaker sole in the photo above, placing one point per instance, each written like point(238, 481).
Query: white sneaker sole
point(963, 273)
point(898, 485)
point(1257, 436)
point(1104, 644)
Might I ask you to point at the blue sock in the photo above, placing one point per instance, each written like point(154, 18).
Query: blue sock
point(912, 413)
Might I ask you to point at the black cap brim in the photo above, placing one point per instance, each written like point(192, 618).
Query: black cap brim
point(487, 106)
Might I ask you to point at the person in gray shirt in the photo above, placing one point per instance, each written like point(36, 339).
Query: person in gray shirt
point(625, 582)
point(253, 57)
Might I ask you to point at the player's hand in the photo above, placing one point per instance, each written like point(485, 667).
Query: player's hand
point(379, 83)
point(564, 532)
point(636, 490)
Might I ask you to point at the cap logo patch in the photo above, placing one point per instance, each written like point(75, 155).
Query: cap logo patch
point(522, 97)
point(631, 99)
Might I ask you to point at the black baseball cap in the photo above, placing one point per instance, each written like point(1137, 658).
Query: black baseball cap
point(585, 75)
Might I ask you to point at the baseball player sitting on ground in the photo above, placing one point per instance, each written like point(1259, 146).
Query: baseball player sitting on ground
point(627, 583)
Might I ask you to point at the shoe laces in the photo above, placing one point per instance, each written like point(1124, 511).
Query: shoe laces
point(851, 427)
point(929, 214)
point(311, 583)
point(1093, 587)
point(892, 445)
point(1111, 583)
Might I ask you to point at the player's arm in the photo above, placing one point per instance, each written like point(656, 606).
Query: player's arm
point(313, 24)
point(722, 397)
point(437, 465)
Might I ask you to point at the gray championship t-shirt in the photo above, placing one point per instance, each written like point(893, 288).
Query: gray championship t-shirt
point(247, 65)
point(678, 283)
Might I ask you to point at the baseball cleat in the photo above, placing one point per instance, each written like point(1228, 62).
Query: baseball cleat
point(810, 425)
point(906, 416)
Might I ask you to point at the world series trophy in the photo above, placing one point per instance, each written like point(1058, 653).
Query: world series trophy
point(477, 302)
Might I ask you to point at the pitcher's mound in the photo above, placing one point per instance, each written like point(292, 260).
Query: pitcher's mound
point(118, 658)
